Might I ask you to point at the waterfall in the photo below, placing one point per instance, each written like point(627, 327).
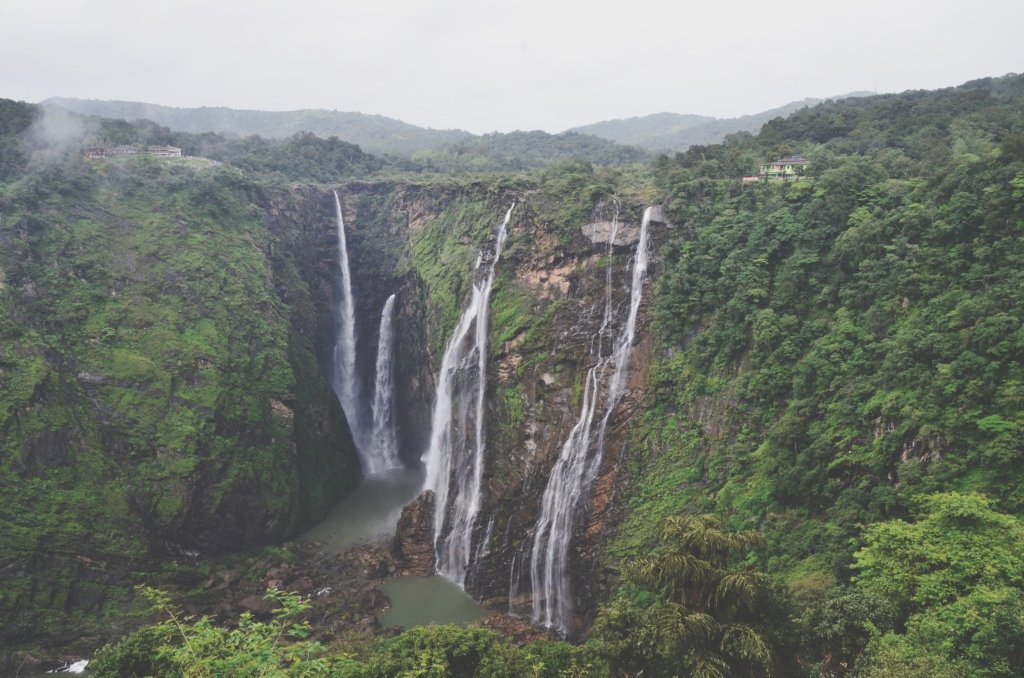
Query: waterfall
point(346, 379)
point(454, 460)
point(384, 439)
point(576, 469)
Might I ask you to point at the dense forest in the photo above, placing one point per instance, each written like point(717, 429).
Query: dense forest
point(823, 477)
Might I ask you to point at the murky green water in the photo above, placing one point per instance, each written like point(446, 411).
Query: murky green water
point(418, 601)
point(372, 510)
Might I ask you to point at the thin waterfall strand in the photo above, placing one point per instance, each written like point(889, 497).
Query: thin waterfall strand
point(346, 379)
point(384, 454)
point(455, 458)
point(574, 471)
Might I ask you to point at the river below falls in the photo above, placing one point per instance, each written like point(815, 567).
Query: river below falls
point(371, 512)
point(418, 601)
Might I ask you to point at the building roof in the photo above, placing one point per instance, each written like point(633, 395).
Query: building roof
point(791, 160)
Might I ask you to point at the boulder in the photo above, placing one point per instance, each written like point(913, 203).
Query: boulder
point(413, 546)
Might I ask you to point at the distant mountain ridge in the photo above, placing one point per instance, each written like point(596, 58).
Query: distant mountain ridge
point(606, 142)
point(677, 132)
point(373, 133)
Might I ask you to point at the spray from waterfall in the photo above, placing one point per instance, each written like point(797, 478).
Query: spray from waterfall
point(577, 467)
point(384, 438)
point(454, 460)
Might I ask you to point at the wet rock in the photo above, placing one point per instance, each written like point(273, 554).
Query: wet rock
point(279, 572)
point(301, 585)
point(658, 217)
point(256, 604)
point(413, 546)
point(517, 629)
point(601, 232)
point(228, 577)
point(375, 599)
point(377, 568)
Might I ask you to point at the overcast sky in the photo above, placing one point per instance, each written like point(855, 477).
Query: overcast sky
point(486, 65)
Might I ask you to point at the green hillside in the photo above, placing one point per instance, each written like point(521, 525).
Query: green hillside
point(676, 132)
point(818, 465)
point(373, 133)
point(158, 395)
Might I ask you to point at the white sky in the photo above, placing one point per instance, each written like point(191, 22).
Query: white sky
point(486, 65)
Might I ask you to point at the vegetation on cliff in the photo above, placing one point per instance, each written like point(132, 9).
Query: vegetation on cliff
point(837, 348)
point(836, 378)
point(158, 395)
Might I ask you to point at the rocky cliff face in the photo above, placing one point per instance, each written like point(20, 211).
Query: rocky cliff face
point(541, 384)
point(165, 370)
point(546, 305)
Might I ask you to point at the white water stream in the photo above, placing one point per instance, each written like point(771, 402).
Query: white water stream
point(454, 460)
point(579, 460)
point(384, 438)
point(376, 443)
point(346, 379)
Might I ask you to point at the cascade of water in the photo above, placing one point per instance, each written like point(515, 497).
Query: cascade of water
point(384, 453)
point(346, 379)
point(454, 459)
point(575, 469)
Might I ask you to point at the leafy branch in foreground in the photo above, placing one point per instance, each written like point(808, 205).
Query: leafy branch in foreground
point(192, 648)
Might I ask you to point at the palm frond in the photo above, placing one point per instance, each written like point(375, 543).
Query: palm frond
point(740, 589)
point(741, 640)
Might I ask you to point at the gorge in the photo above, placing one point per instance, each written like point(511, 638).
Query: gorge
point(541, 385)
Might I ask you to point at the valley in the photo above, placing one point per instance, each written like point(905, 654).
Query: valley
point(629, 416)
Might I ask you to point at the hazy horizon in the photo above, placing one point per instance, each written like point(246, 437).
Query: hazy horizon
point(497, 66)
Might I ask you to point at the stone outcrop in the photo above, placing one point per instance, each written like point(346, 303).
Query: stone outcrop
point(413, 546)
point(658, 217)
point(601, 231)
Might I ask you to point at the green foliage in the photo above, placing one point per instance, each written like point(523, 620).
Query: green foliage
point(453, 651)
point(16, 118)
point(829, 353)
point(186, 647)
point(894, 656)
point(438, 651)
point(143, 343)
point(518, 151)
point(708, 615)
point(955, 576)
point(181, 646)
point(444, 250)
point(302, 156)
point(837, 629)
point(834, 349)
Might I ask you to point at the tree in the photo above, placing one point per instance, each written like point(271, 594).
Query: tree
point(691, 609)
point(197, 648)
point(837, 629)
point(955, 575)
